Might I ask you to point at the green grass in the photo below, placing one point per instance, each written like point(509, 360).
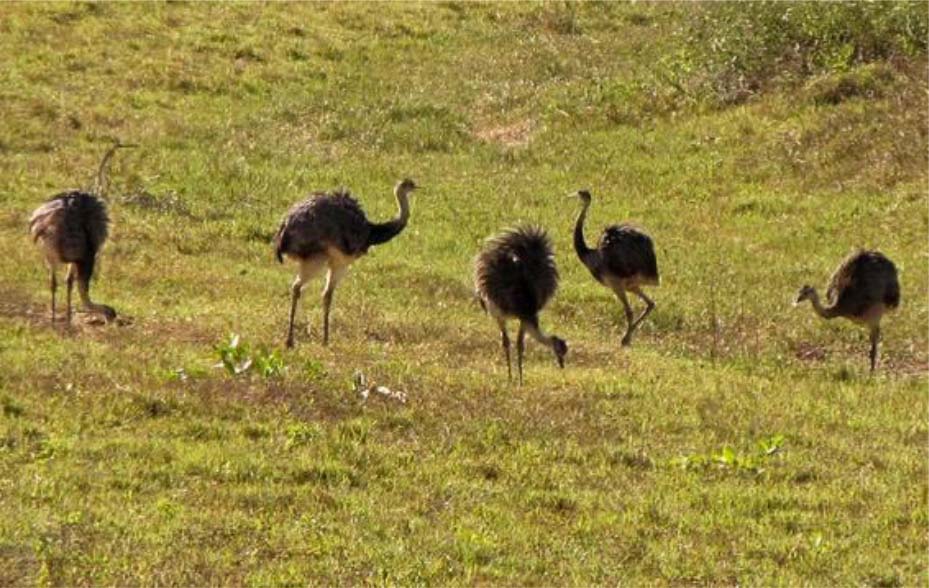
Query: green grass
point(739, 440)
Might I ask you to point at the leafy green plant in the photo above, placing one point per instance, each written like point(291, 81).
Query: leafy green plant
point(729, 459)
point(300, 434)
point(268, 364)
point(233, 356)
point(314, 370)
point(771, 445)
point(237, 358)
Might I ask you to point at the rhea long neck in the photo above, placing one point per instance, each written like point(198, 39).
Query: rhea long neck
point(588, 256)
point(100, 182)
point(539, 335)
point(827, 312)
point(383, 232)
point(403, 205)
point(398, 223)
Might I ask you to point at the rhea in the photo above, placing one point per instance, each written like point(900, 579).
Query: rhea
point(862, 289)
point(515, 276)
point(70, 229)
point(328, 232)
point(623, 261)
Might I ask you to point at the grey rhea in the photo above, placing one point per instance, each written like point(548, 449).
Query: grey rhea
point(623, 261)
point(515, 276)
point(329, 231)
point(862, 289)
point(70, 229)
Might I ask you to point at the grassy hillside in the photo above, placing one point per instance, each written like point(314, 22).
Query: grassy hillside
point(740, 440)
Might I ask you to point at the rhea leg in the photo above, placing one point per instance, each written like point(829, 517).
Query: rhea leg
point(308, 269)
point(627, 338)
point(520, 347)
point(53, 286)
point(70, 282)
point(332, 280)
point(82, 272)
point(505, 340)
point(875, 339)
point(295, 290)
point(649, 306)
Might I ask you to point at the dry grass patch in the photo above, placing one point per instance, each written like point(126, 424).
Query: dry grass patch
point(512, 135)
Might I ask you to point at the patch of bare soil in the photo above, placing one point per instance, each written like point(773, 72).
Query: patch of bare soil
point(905, 365)
point(512, 135)
point(808, 351)
point(894, 362)
point(17, 304)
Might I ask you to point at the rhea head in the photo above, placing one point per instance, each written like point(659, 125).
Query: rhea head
point(560, 347)
point(583, 195)
point(405, 187)
point(108, 312)
point(805, 293)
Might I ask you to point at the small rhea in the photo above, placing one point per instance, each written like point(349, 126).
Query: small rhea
point(623, 261)
point(862, 289)
point(515, 276)
point(329, 231)
point(70, 229)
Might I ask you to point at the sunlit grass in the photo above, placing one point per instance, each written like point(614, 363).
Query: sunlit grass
point(127, 456)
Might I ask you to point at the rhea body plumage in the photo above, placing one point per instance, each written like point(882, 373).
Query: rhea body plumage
point(623, 261)
point(862, 289)
point(328, 232)
point(515, 277)
point(70, 229)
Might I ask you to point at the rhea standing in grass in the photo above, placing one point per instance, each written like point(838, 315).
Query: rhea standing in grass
point(862, 289)
point(70, 229)
point(515, 277)
point(329, 231)
point(623, 261)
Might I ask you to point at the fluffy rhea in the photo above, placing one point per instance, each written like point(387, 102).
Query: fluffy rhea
point(70, 229)
point(330, 231)
point(862, 289)
point(623, 261)
point(515, 277)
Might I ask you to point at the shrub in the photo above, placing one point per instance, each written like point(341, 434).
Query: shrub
point(870, 81)
point(731, 51)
